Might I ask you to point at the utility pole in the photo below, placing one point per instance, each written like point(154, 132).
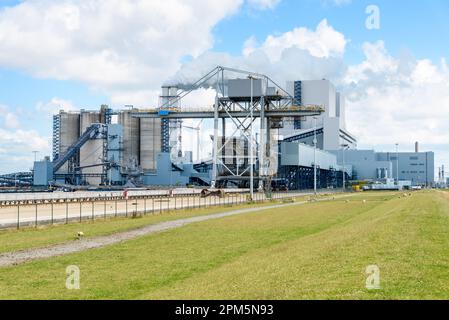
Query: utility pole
point(35, 155)
point(251, 157)
point(314, 156)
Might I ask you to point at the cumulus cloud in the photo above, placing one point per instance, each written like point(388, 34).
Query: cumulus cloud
point(323, 42)
point(17, 143)
point(54, 106)
point(407, 98)
point(124, 48)
point(301, 53)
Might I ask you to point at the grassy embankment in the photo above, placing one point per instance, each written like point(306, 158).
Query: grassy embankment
point(313, 251)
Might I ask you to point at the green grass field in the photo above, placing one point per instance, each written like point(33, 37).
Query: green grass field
point(312, 251)
point(13, 240)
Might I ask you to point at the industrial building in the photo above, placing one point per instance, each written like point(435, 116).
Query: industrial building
point(144, 147)
point(417, 168)
point(300, 130)
point(330, 126)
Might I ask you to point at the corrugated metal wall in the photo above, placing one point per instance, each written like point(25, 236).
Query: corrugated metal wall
point(92, 152)
point(150, 143)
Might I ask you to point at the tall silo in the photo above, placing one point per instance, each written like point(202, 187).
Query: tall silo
point(150, 143)
point(131, 138)
point(67, 134)
point(92, 152)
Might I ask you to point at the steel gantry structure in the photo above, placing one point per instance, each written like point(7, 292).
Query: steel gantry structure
point(241, 102)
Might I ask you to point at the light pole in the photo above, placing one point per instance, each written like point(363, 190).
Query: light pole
point(251, 169)
point(397, 164)
point(35, 155)
point(314, 156)
point(344, 146)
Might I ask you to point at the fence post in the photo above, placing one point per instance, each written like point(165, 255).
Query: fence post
point(93, 211)
point(145, 206)
point(18, 216)
point(116, 213)
point(36, 216)
point(66, 212)
point(160, 206)
point(81, 211)
point(52, 213)
point(126, 210)
point(105, 209)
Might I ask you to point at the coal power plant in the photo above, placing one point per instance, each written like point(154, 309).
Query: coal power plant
point(264, 137)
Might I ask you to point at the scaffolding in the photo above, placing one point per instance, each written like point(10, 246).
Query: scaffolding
point(267, 104)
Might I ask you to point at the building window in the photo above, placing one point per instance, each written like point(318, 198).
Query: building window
point(414, 158)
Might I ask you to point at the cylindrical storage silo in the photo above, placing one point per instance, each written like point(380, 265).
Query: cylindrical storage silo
point(150, 143)
point(131, 138)
point(92, 151)
point(69, 132)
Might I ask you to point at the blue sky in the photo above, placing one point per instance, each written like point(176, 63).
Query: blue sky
point(412, 32)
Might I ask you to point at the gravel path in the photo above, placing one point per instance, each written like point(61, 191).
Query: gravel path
point(15, 258)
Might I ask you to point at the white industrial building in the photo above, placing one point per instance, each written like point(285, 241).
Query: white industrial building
point(330, 126)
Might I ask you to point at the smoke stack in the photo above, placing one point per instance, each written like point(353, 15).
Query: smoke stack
point(416, 146)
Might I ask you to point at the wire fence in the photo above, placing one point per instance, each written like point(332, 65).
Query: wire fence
point(66, 211)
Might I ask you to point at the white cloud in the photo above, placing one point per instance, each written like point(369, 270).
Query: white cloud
point(264, 4)
point(11, 121)
point(54, 106)
point(17, 143)
point(124, 48)
point(301, 53)
point(323, 42)
point(397, 99)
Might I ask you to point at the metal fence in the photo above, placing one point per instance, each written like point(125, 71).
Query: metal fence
point(57, 211)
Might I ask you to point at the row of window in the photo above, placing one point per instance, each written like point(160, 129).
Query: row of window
point(413, 172)
point(411, 158)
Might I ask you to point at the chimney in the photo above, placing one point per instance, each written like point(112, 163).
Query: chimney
point(416, 146)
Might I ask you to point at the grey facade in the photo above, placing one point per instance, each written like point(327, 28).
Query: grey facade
point(365, 164)
point(169, 174)
point(43, 172)
point(417, 167)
